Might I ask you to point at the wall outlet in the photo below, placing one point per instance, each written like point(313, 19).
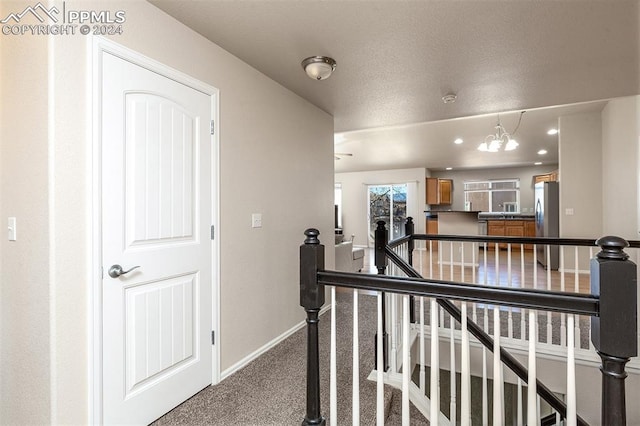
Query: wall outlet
point(568, 211)
point(256, 220)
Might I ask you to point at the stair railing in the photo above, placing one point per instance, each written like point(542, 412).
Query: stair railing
point(613, 287)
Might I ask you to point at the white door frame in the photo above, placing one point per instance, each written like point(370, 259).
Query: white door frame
point(96, 47)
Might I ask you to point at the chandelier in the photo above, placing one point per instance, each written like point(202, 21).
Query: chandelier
point(493, 142)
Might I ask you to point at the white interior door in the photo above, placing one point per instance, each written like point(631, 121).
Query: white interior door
point(156, 216)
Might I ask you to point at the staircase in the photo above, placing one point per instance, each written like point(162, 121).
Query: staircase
point(471, 326)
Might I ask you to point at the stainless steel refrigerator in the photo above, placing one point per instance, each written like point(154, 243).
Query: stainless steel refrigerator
point(547, 204)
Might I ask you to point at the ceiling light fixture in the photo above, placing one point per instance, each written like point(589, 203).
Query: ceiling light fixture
point(319, 67)
point(542, 152)
point(538, 163)
point(449, 98)
point(449, 168)
point(458, 141)
point(552, 132)
point(493, 142)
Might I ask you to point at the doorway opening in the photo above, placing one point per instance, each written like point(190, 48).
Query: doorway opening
point(387, 203)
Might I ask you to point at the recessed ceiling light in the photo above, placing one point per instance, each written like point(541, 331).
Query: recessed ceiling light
point(552, 131)
point(458, 141)
point(449, 168)
point(542, 152)
point(537, 163)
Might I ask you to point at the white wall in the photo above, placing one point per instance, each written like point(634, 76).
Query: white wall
point(580, 154)
point(354, 198)
point(620, 139)
point(24, 264)
point(525, 174)
point(267, 135)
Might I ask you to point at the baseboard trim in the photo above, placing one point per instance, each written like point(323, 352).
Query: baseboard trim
point(261, 350)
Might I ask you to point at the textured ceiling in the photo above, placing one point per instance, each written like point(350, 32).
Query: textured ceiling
point(396, 59)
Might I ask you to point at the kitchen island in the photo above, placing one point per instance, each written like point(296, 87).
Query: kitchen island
point(457, 222)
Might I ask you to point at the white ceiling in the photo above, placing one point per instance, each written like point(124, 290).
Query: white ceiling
point(396, 59)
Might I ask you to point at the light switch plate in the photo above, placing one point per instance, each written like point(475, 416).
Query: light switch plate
point(11, 228)
point(256, 220)
point(568, 211)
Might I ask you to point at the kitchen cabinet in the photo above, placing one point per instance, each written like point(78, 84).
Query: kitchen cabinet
point(547, 177)
point(439, 191)
point(495, 228)
point(511, 228)
point(529, 231)
point(432, 226)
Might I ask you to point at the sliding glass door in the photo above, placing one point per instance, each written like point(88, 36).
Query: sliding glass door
point(389, 204)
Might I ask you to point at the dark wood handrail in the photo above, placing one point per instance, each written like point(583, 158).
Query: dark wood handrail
point(571, 303)
point(580, 242)
point(505, 356)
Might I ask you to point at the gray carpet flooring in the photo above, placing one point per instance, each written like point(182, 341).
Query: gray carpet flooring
point(271, 389)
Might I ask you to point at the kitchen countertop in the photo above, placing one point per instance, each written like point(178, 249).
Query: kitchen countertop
point(506, 216)
point(433, 214)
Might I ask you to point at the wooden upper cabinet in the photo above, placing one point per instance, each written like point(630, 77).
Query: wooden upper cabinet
point(439, 191)
point(548, 177)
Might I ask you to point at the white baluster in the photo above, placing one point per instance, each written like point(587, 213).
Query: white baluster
point(532, 390)
point(465, 372)
point(474, 253)
point(406, 363)
point(451, 261)
point(571, 375)
point(356, 363)
point(452, 372)
point(485, 282)
point(461, 262)
point(333, 381)
point(519, 408)
point(549, 326)
point(393, 364)
point(509, 284)
point(422, 350)
point(563, 328)
point(441, 270)
point(380, 414)
point(523, 326)
point(430, 259)
point(577, 290)
point(485, 391)
point(497, 364)
point(435, 365)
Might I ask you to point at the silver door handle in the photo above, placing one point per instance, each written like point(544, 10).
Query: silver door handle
point(116, 270)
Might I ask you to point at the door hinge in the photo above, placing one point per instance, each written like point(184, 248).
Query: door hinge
point(213, 232)
point(213, 337)
point(213, 127)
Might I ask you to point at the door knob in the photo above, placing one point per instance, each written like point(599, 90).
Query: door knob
point(116, 270)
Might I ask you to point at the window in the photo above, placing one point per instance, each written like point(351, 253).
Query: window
point(389, 204)
point(493, 195)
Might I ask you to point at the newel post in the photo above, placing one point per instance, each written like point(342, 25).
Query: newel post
point(381, 237)
point(614, 331)
point(408, 231)
point(312, 299)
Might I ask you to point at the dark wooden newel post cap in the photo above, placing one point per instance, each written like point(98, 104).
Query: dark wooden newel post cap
point(311, 261)
point(614, 280)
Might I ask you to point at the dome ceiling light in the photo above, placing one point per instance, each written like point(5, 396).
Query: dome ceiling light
point(319, 67)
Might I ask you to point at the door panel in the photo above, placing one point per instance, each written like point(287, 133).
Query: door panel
point(156, 214)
